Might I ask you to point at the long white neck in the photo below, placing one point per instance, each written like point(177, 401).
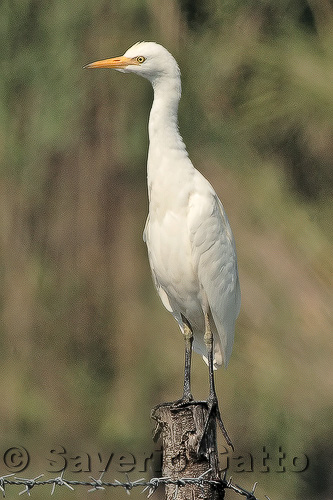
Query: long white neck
point(167, 157)
point(163, 121)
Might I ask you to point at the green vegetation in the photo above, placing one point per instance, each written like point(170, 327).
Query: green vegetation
point(86, 347)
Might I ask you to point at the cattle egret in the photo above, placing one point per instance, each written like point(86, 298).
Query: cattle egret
point(191, 248)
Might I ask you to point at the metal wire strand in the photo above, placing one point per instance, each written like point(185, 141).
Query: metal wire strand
point(150, 486)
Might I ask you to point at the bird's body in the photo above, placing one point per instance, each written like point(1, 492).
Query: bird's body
point(193, 270)
point(191, 248)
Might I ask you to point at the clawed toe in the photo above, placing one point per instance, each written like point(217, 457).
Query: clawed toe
point(185, 400)
point(214, 412)
point(179, 403)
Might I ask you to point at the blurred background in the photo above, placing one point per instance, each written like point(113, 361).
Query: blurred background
point(86, 346)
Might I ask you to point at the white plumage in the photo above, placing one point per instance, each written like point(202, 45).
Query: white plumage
point(190, 244)
point(191, 248)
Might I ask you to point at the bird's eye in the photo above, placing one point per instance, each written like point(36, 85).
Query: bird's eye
point(140, 59)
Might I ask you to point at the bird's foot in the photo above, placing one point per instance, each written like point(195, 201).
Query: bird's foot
point(186, 399)
point(214, 412)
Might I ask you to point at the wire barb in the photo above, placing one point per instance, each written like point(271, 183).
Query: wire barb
point(2, 483)
point(29, 483)
point(59, 481)
point(98, 483)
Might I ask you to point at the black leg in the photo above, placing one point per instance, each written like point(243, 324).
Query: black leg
point(213, 406)
point(188, 337)
point(187, 397)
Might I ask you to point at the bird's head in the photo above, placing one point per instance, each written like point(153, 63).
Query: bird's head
point(148, 59)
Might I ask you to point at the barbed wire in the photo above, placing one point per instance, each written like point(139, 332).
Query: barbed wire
point(149, 486)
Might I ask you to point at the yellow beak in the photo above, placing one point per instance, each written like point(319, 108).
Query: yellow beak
point(115, 63)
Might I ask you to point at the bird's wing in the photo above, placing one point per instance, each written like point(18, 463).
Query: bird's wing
point(161, 292)
point(214, 256)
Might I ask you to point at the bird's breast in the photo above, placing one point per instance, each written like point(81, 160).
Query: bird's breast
point(168, 243)
point(173, 267)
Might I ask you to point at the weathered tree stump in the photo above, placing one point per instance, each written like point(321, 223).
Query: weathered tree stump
point(181, 429)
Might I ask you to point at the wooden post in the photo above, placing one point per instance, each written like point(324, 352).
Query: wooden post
point(181, 429)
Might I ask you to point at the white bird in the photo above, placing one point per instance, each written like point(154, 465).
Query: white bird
point(191, 248)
